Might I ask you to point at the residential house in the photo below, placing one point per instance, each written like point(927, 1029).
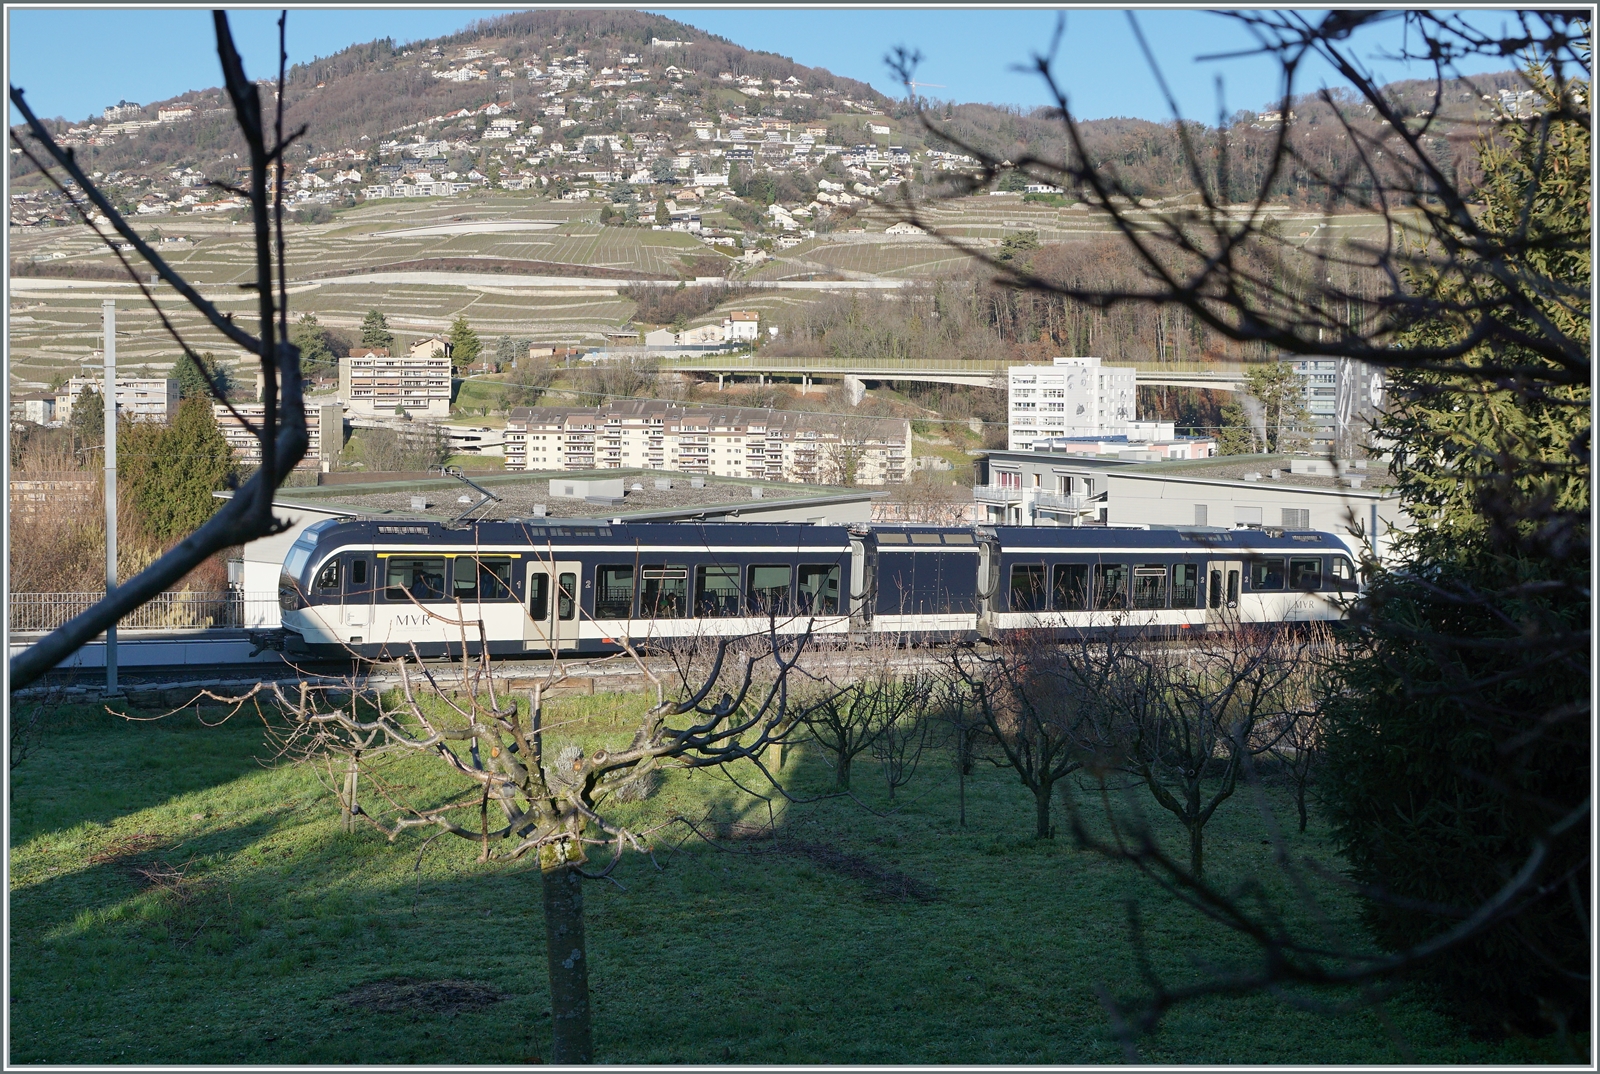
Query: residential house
point(139, 398)
point(374, 383)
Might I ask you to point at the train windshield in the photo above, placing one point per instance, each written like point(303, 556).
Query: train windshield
point(294, 564)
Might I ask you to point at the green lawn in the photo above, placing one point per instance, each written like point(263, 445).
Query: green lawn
point(748, 957)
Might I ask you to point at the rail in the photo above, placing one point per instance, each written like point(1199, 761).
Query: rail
point(221, 610)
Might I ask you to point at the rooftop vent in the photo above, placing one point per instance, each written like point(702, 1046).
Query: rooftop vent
point(663, 484)
point(539, 510)
point(756, 493)
point(1254, 475)
point(697, 482)
point(419, 503)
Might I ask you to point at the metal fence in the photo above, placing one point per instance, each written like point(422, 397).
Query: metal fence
point(167, 611)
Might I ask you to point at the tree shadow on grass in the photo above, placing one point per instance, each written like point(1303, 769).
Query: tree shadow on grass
point(136, 765)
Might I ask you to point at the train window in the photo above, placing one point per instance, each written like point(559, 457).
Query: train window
point(613, 592)
point(1150, 586)
point(358, 572)
point(538, 596)
point(328, 576)
point(1185, 585)
point(1216, 589)
point(1343, 574)
point(1027, 587)
point(422, 578)
point(819, 588)
point(716, 592)
point(1266, 574)
point(665, 594)
point(768, 592)
point(1110, 585)
point(1305, 574)
point(481, 579)
point(567, 595)
point(1233, 589)
point(1070, 591)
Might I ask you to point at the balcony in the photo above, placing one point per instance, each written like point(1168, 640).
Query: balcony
point(1057, 501)
point(996, 494)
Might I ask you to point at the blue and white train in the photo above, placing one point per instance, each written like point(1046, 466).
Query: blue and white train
point(375, 589)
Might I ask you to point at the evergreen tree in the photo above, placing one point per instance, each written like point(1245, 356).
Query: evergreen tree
point(316, 353)
point(1458, 735)
point(1271, 416)
point(89, 415)
point(172, 470)
point(192, 383)
point(464, 344)
point(375, 330)
point(663, 217)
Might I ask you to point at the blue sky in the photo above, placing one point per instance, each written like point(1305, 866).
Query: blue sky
point(151, 54)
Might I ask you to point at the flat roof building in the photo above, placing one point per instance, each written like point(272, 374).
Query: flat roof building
point(1070, 397)
point(140, 398)
point(1296, 492)
point(375, 383)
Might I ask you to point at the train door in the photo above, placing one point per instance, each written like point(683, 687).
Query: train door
point(552, 605)
point(1224, 577)
point(358, 590)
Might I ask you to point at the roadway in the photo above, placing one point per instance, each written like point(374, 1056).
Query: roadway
point(971, 374)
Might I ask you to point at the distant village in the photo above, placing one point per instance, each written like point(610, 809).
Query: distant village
point(659, 144)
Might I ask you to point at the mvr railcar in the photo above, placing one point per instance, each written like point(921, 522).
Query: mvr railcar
point(377, 589)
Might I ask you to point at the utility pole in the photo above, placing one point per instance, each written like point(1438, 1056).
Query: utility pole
point(108, 392)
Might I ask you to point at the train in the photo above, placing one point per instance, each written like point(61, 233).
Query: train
point(379, 589)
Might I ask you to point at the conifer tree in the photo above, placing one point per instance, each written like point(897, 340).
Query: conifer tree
point(375, 330)
point(1458, 736)
point(172, 470)
point(1271, 419)
point(465, 347)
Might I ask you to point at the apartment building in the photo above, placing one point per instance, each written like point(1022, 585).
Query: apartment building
point(324, 433)
point(375, 383)
point(139, 398)
point(774, 445)
point(1070, 397)
point(1342, 397)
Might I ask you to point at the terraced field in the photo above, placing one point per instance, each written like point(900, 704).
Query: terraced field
point(417, 260)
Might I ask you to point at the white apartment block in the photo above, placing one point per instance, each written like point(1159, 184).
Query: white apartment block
point(247, 449)
point(373, 383)
point(1070, 397)
point(140, 398)
point(772, 445)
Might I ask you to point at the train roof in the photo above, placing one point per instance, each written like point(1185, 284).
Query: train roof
point(561, 531)
point(1103, 537)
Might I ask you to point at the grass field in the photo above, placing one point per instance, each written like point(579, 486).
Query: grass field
point(263, 917)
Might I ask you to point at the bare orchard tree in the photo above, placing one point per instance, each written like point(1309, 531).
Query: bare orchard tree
point(1034, 704)
point(281, 430)
point(513, 797)
point(847, 714)
point(1184, 720)
point(899, 748)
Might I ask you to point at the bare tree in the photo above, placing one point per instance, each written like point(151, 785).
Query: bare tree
point(1184, 720)
point(515, 799)
point(899, 748)
point(847, 714)
point(1034, 704)
point(281, 431)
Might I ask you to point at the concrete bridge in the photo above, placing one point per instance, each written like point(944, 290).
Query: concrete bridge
point(1228, 378)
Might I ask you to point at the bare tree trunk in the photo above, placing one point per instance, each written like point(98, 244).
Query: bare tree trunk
point(1197, 859)
point(568, 956)
point(841, 772)
point(1041, 801)
point(1300, 801)
point(347, 816)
